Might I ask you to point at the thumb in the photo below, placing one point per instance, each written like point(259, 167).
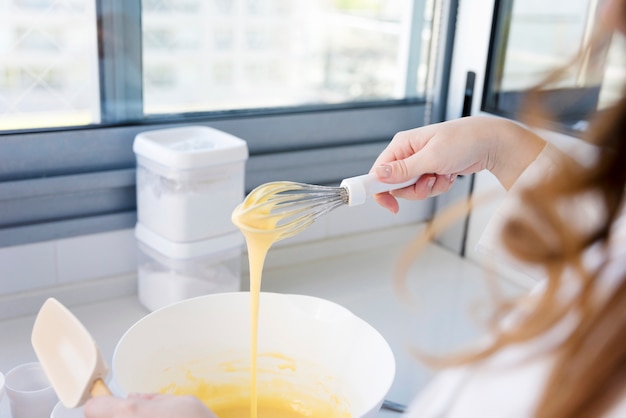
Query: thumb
point(398, 171)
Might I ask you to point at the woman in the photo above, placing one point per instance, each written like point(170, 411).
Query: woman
point(562, 353)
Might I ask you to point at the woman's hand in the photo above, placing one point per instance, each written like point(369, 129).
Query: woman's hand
point(438, 153)
point(146, 406)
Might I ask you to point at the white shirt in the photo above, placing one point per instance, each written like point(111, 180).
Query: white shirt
point(509, 384)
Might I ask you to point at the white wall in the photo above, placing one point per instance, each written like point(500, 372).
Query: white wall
point(97, 267)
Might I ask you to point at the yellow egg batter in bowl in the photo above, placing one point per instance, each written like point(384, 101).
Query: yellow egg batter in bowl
point(315, 358)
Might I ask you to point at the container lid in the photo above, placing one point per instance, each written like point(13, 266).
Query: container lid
point(187, 250)
point(190, 146)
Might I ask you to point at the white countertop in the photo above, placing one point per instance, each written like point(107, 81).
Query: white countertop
point(444, 285)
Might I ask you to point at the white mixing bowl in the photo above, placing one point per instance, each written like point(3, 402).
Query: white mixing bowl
point(316, 346)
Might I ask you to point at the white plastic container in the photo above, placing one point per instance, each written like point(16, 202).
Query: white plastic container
point(189, 180)
point(169, 272)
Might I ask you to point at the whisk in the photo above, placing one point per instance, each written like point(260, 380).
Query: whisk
point(285, 208)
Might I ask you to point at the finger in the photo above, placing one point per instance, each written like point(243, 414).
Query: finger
point(442, 184)
point(398, 148)
point(387, 201)
point(420, 190)
point(102, 407)
point(417, 165)
point(147, 396)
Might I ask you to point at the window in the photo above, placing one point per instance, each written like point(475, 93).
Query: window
point(260, 54)
point(316, 88)
point(202, 56)
point(48, 73)
point(531, 39)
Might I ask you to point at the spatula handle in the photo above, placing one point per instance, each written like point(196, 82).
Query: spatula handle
point(100, 388)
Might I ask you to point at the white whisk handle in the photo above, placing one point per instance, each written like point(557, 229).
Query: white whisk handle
point(361, 187)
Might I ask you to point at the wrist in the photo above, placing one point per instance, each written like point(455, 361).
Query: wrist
point(515, 148)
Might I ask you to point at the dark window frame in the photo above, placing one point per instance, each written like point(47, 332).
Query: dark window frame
point(63, 182)
point(570, 107)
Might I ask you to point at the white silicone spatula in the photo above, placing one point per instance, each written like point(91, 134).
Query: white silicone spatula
point(68, 354)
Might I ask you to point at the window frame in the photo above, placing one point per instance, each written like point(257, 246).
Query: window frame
point(63, 182)
point(570, 119)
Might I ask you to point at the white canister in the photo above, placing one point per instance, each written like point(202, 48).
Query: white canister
point(170, 272)
point(189, 180)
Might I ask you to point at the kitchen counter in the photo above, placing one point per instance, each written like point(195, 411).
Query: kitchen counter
point(358, 276)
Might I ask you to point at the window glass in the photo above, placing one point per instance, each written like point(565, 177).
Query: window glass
point(76, 62)
point(535, 37)
point(48, 70)
point(232, 54)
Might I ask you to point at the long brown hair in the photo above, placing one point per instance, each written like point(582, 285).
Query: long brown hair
point(589, 373)
point(590, 369)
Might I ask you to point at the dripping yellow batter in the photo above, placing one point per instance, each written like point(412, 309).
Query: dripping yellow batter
point(260, 234)
point(259, 227)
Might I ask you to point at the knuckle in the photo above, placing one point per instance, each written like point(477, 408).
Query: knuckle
point(401, 170)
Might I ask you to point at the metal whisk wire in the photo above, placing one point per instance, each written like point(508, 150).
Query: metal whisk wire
point(285, 208)
point(290, 206)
